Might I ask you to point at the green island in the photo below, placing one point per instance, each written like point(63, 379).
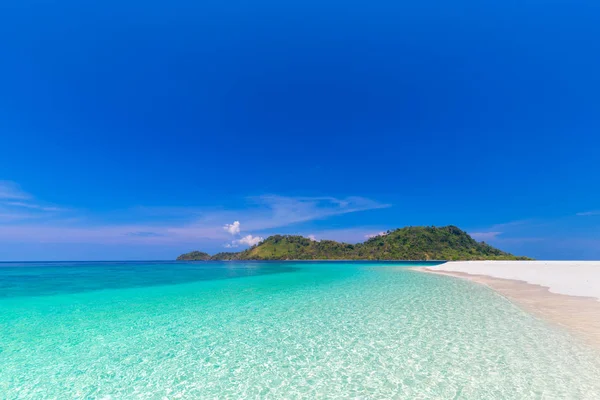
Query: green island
point(409, 243)
point(195, 256)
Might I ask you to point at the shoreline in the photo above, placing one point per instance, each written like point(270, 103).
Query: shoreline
point(579, 315)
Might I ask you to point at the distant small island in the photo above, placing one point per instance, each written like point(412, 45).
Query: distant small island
point(194, 256)
point(409, 243)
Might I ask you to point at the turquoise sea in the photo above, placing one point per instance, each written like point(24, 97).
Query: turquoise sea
point(168, 330)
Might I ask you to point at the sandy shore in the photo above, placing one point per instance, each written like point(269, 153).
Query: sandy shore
point(565, 293)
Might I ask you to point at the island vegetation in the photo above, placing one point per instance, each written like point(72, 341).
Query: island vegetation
point(409, 243)
point(194, 256)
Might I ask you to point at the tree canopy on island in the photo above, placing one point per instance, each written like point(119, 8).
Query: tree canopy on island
point(194, 256)
point(409, 243)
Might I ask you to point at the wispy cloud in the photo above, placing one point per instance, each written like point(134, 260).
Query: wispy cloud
point(11, 216)
point(32, 206)
point(277, 211)
point(588, 213)
point(17, 205)
point(143, 234)
point(10, 190)
point(485, 235)
point(511, 236)
point(495, 231)
point(273, 211)
point(26, 220)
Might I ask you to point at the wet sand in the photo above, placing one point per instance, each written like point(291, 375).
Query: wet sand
point(578, 314)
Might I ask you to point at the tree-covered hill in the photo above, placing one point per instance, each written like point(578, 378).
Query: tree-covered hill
point(410, 243)
point(225, 256)
point(194, 256)
point(279, 247)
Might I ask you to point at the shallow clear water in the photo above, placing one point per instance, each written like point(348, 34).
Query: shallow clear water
point(274, 330)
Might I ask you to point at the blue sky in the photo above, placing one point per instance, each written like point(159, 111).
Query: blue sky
point(140, 130)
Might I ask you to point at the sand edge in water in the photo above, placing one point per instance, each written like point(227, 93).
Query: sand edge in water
point(579, 315)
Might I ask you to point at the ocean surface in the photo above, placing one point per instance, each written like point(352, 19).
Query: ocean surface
point(245, 330)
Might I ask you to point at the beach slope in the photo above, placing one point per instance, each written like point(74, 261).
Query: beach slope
point(565, 293)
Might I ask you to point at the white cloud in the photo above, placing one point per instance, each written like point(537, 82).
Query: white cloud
point(250, 240)
point(247, 240)
point(234, 228)
point(313, 238)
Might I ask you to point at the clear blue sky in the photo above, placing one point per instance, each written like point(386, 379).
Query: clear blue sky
point(138, 130)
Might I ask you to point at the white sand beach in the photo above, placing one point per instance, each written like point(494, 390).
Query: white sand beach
point(565, 293)
point(573, 278)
